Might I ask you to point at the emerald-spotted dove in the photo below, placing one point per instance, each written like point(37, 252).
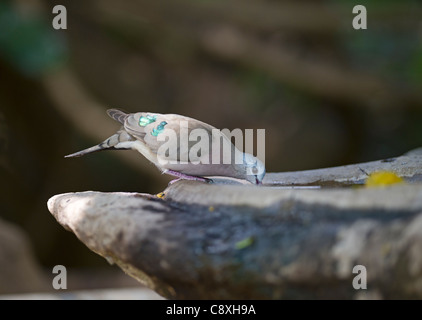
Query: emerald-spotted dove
point(170, 141)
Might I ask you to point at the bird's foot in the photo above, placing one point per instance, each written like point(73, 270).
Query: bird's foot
point(175, 180)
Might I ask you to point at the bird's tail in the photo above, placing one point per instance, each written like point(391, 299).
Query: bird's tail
point(81, 153)
point(116, 141)
point(117, 115)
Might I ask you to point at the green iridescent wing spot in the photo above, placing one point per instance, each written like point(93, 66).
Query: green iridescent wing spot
point(144, 121)
point(160, 128)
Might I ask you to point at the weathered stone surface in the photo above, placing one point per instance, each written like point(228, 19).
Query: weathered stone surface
point(408, 165)
point(242, 241)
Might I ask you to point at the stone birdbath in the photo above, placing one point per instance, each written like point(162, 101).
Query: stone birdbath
point(315, 234)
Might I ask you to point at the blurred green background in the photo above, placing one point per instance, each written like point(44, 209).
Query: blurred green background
point(326, 94)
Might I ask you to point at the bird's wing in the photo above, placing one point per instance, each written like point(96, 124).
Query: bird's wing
point(152, 129)
point(117, 115)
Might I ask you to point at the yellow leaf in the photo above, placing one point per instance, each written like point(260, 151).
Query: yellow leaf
point(382, 178)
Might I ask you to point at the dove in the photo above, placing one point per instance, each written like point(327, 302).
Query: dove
point(179, 154)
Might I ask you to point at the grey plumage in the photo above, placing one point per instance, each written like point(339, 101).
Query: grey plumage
point(143, 131)
point(108, 144)
point(117, 115)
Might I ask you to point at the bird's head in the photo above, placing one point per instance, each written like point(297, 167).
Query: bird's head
point(255, 169)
